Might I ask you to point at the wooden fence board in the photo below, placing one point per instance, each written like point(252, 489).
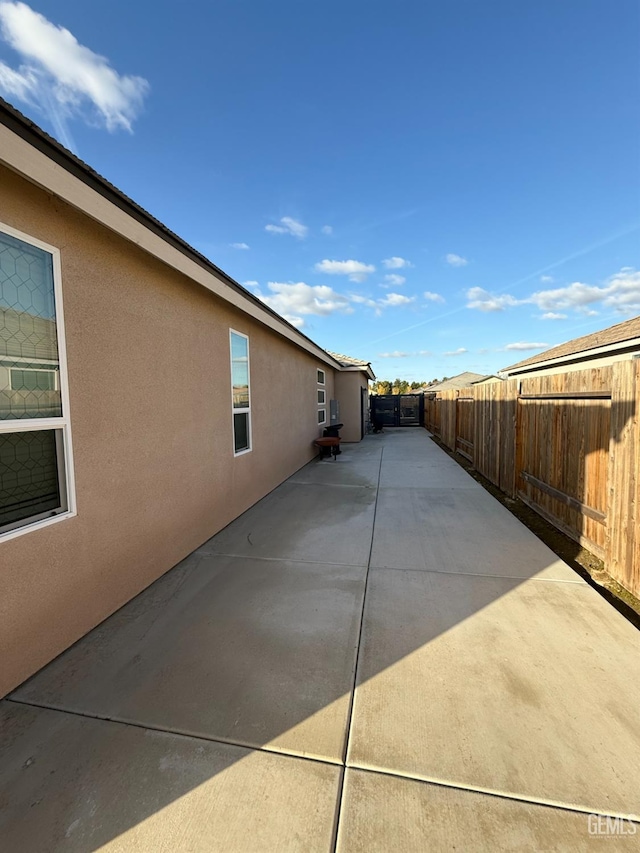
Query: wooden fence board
point(568, 444)
point(622, 541)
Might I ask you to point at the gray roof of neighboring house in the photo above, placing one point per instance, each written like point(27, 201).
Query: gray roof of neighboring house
point(462, 380)
point(626, 331)
point(493, 376)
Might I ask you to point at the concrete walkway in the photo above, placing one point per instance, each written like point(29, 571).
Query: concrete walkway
point(497, 698)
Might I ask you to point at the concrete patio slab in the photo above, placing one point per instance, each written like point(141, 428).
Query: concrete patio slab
point(300, 521)
point(458, 530)
point(385, 813)
point(427, 474)
point(348, 469)
point(501, 686)
point(253, 652)
point(72, 784)
point(498, 695)
point(403, 444)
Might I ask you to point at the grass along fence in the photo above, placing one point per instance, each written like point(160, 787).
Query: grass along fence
point(568, 445)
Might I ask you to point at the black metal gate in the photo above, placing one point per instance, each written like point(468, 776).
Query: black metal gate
point(397, 410)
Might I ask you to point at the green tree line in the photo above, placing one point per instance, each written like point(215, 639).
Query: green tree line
point(401, 386)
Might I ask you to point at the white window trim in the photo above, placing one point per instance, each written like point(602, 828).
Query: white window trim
point(323, 412)
point(322, 402)
point(324, 376)
point(243, 410)
point(63, 423)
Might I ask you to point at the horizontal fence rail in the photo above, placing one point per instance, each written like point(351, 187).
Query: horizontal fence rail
point(568, 445)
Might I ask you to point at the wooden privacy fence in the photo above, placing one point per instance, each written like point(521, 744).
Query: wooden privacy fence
point(568, 445)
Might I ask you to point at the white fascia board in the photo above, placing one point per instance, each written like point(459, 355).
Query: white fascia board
point(36, 167)
point(353, 368)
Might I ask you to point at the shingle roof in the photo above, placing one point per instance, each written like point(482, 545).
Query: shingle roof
point(617, 334)
point(462, 380)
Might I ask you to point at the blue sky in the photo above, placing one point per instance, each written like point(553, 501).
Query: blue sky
point(432, 186)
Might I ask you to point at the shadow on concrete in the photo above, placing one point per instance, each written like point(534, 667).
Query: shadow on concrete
point(220, 654)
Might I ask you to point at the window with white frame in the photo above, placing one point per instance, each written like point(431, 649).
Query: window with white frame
point(240, 392)
point(321, 380)
point(36, 485)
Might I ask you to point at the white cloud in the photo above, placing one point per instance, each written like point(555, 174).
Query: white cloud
point(63, 78)
point(456, 260)
point(395, 299)
point(546, 279)
point(459, 351)
point(239, 246)
point(363, 300)
point(356, 270)
point(327, 229)
point(553, 316)
point(524, 346)
point(22, 84)
point(572, 296)
point(398, 354)
point(250, 284)
point(288, 226)
point(482, 300)
point(620, 292)
point(433, 297)
point(295, 300)
point(396, 263)
point(393, 280)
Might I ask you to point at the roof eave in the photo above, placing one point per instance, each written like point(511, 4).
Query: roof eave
point(14, 124)
point(582, 355)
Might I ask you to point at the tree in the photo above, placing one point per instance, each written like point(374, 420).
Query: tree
point(383, 386)
point(400, 386)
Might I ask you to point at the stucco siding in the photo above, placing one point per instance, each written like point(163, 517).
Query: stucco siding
point(150, 398)
point(348, 385)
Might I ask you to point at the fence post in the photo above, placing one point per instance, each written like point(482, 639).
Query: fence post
point(508, 396)
point(623, 537)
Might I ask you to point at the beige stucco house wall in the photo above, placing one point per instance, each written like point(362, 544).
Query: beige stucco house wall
point(349, 385)
point(147, 345)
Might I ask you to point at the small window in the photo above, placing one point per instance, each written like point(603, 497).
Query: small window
point(322, 416)
point(320, 377)
point(240, 392)
point(321, 397)
point(33, 483)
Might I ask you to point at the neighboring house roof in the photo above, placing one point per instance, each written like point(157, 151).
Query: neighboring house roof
point(614, 337)
point(462, 380)
point(349, 363)
point(490, 377)
point(26, 130)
